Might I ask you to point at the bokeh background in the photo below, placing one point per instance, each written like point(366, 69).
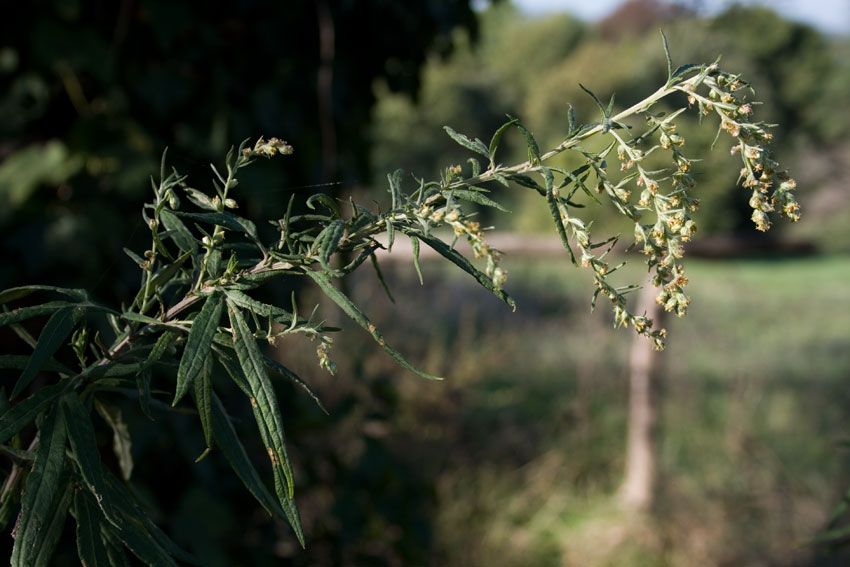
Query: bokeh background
point(518, 457)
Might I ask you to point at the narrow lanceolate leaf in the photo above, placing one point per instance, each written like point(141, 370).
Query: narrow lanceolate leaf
point(133, 527)
point(42, 490)
point(114, 548)
point(497, 137)
point(53, 336)
point(395, 188)
point(121, 442)
point(24, 313)
point(328, 242)
point(477, 197)
point(233, 450)
point(24, 412)
point(20, 361)
point(56, 523)
point(202, 395)
point(13, 293)
point(284, 371)
point(245, 301)
point(90, 546)
point(474, 145)
point(198, 344)
point(225, 219)
point(179, 232)
point(533, 148)
point(350, 309)
point(415, 242)
point(461, 262)
point(84, 448)
point(263, 401)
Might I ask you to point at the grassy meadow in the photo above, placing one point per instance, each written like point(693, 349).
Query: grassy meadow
point(523, 445)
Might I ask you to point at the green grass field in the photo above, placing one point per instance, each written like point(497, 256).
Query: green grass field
point(524, 441)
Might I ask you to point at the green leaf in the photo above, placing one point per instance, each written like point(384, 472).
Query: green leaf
point(667, 55)
point(121, 442)
point(283, 370)
point(24, 412)
point(143, 384)
point(350, 309)
point(202, 393)
point(198, 344)
point(245, 301)
point(11, 294)
point(24, 313)
point(329, 241)
point(415, 242)
point(163, 343)
point(84, 447)
point(56, 525)
point(53, 336)
point(556, 213)
point(141, 262)
point(200, 199)
point(141, 536)
point(381, 279)
point(114, 548)
point(527, 181)
point(263, 402)
point(42, 491)
point(225, 219)
point(328, 202)
point(595, 98)
point(464, 264)
point(20, 361)
point(571, 121)
point(474, 145)
point(395, 187)
point(90, 546)
point(233, 450)
point(497, 138)
point(162, 277)
point(179, 232)
point(479, 198)
point(533, 148)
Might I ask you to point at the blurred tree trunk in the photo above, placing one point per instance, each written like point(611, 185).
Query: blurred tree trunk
point(638, 488)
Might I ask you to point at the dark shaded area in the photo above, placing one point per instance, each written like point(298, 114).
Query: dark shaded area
point(90, 95)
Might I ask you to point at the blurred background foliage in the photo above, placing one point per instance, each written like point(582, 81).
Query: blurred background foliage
point(515, 459)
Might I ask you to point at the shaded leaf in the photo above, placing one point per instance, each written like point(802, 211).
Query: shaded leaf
point(283, 370)
point(198, 344)
point(24, 313)
point(56, 524)
point(90, 545)
point(42, 490)
point(24, 412)
point(121, 442)
point(13, 293)
point(225, 219)
point(230, 445)
point(263, 402)
point(202, 393)
point(84, 447)
point(350, 309)
point(53, 336)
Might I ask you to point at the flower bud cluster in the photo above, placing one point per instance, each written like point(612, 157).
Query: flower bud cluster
point(268, 148)
point(772, 188)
